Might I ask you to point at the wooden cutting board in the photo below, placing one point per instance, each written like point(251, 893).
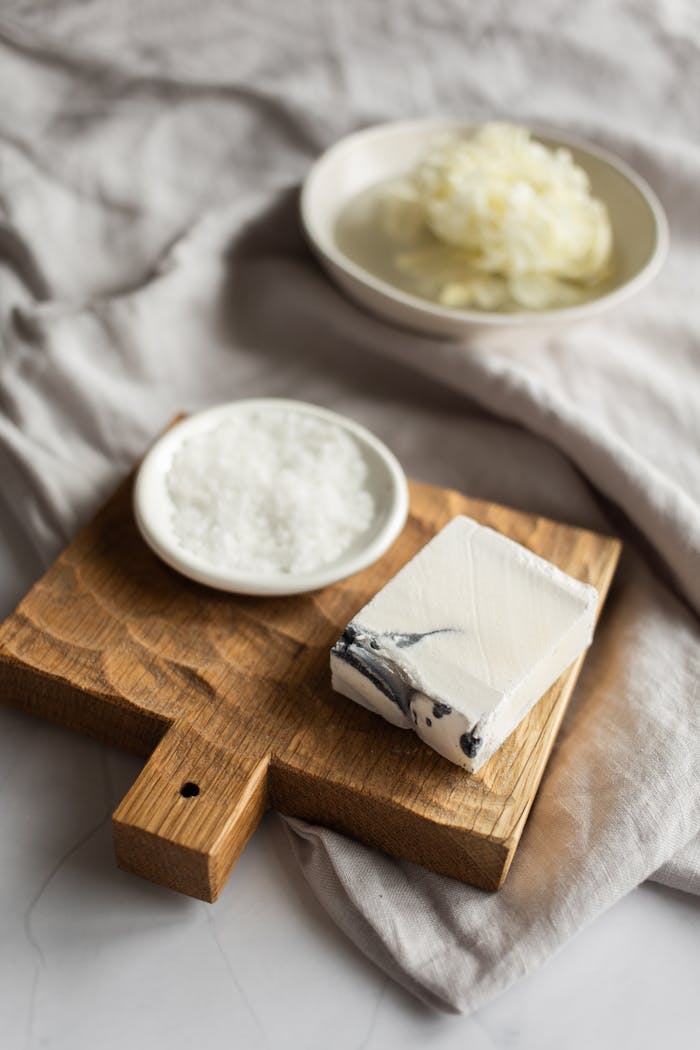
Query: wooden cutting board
point(229, 699)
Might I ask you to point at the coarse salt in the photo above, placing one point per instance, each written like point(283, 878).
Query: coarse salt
point(270, 492)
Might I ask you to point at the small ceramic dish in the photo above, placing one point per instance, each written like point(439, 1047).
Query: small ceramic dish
point(153, 507)
point(368, 158)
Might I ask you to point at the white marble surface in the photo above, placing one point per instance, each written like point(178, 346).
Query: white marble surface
point(94, 959)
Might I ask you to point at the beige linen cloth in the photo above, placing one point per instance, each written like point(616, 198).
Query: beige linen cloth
point(151, 261)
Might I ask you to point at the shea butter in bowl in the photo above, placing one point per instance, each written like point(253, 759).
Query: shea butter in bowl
point(450, 228)
point(269, 496)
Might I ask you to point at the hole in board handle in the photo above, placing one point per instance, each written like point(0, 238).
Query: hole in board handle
point(189, 789)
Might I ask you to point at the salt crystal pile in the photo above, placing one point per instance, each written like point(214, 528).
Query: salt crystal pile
point(270, 492)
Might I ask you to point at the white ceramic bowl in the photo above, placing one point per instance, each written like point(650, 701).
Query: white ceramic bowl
point(368, 157)
point(153, 507)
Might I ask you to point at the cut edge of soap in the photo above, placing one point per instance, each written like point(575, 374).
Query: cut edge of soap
point(584, 624)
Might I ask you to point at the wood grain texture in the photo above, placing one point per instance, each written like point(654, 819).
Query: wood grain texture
point(232, 694)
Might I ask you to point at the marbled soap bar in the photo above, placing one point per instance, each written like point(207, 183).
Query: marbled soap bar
point(463, 640)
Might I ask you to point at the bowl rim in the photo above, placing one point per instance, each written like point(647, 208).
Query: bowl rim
point(327, 249)
point(151, 505)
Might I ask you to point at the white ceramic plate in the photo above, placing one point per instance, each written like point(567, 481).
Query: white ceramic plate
point(369, 157)
point(153, 506)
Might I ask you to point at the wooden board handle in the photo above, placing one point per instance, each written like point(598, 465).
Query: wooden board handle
point(189, 814)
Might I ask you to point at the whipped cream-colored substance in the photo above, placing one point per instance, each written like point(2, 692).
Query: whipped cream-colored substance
point(515, 224)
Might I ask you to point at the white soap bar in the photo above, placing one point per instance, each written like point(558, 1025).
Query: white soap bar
point(463, 640)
